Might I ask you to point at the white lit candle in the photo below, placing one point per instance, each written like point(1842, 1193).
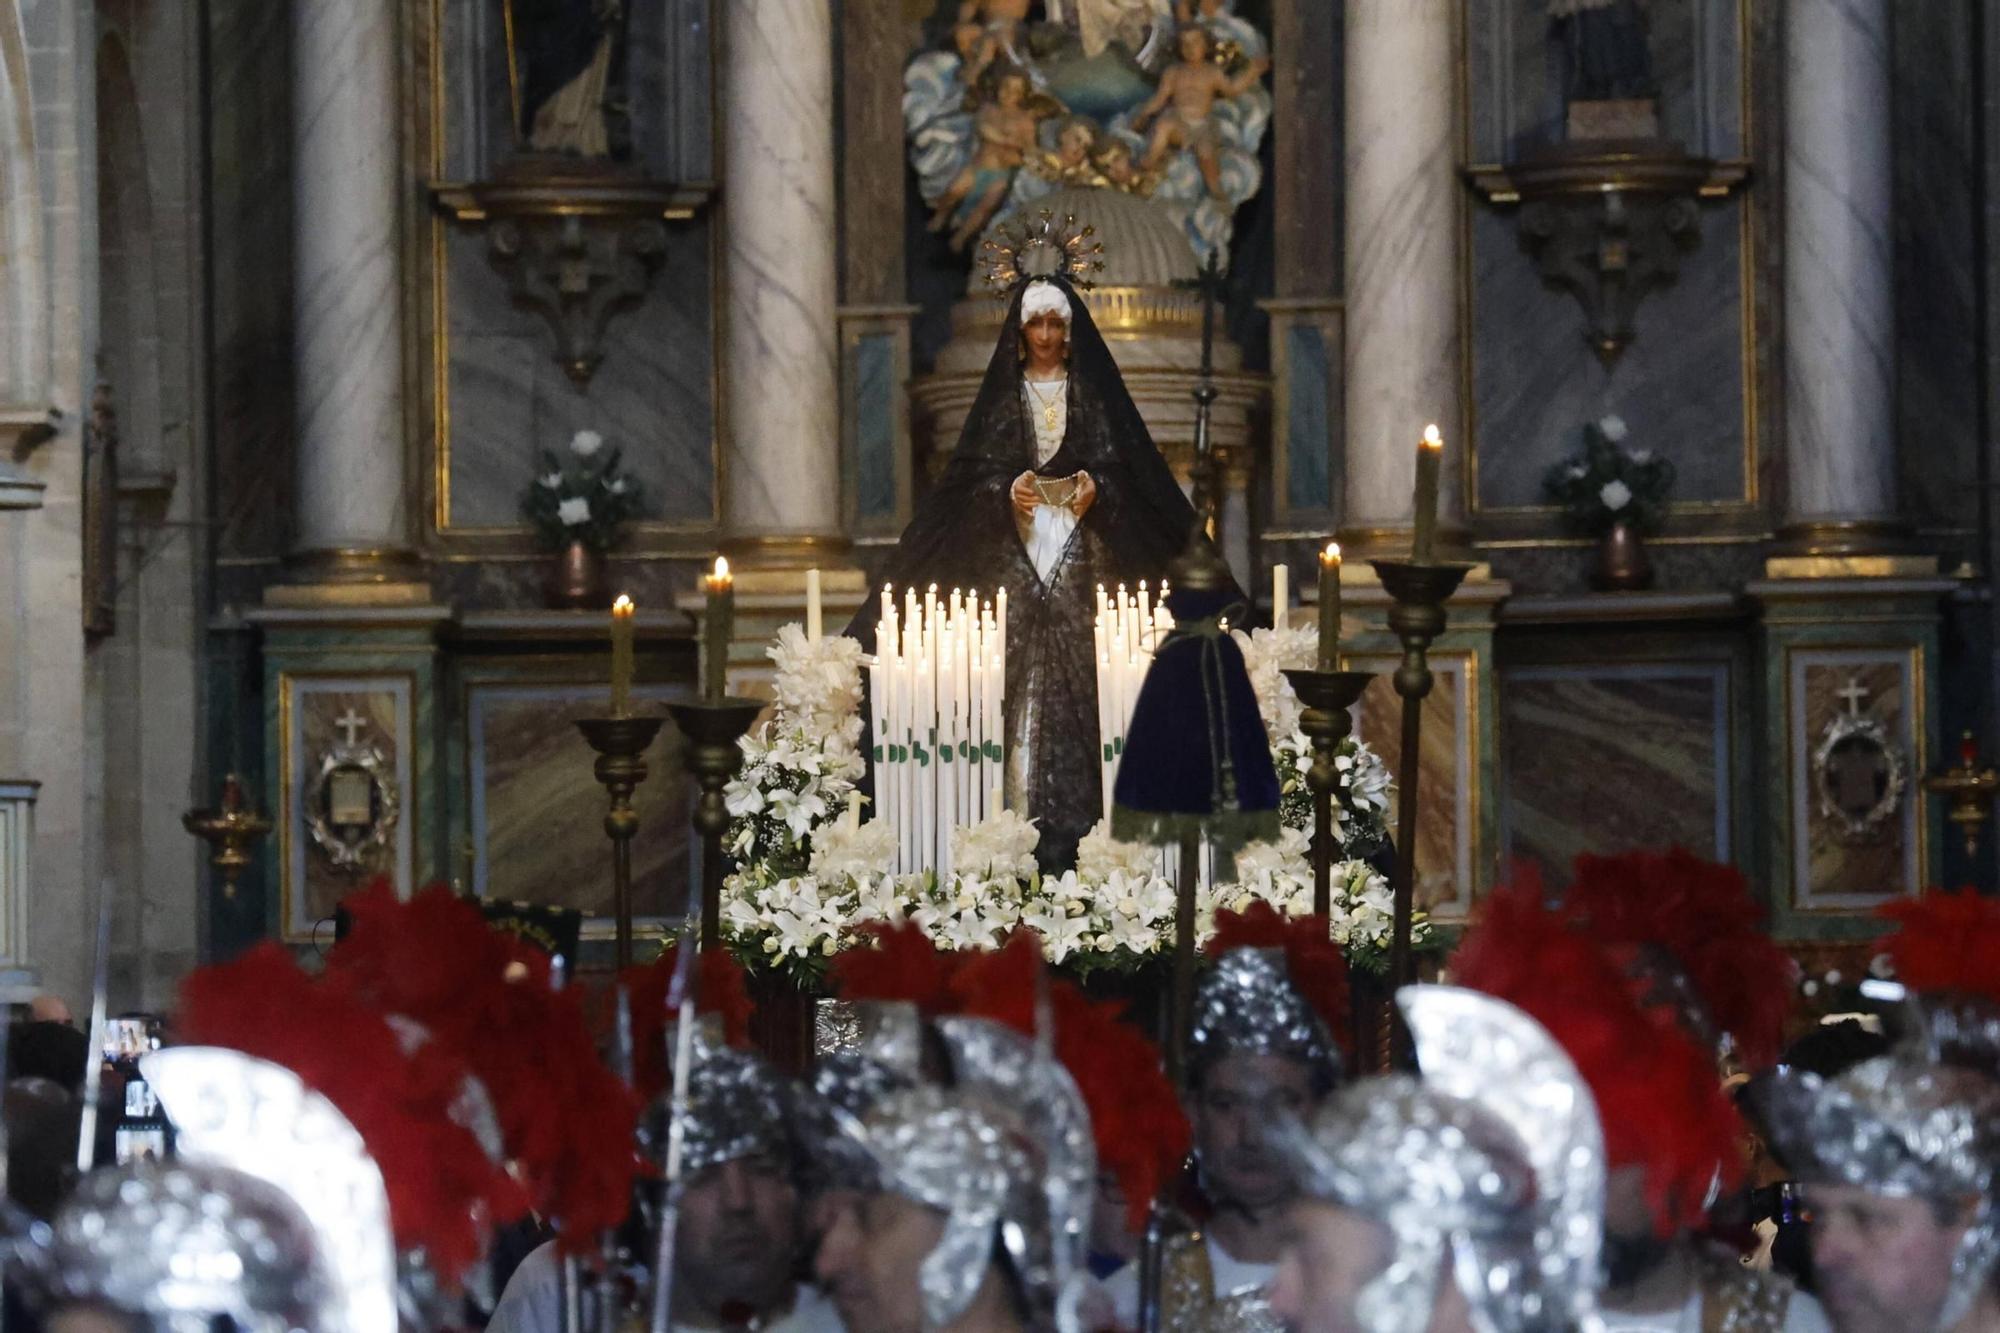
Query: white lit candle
point(813, 626)
point(1281, 596)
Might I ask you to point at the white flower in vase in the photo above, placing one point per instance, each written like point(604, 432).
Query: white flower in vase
point(1612, 428)
point(585, 443)
point(1615, 494)
point(573, 512)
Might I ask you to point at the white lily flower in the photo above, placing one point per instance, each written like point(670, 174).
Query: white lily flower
point(585, 443)
point(573, 512)
point(552, 481)
point(1615, 494)
point(1612, 428)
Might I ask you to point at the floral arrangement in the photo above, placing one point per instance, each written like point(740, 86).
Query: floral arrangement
point(581, 496)
point(810, 877)
point(1608, 483)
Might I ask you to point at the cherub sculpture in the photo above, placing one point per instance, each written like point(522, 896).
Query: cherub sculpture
point(1181, 113)
point(1007, 129)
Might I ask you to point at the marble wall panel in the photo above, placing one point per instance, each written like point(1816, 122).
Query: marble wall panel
point(1834, 872)
point(310, 712)
point(537, 812)
point(506, 397)
point(1447, 821)
point(1603, 759)
point(1936, 263)
point(1679, 386)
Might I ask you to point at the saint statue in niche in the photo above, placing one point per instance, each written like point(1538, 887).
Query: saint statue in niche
point(1055, 488)
point(565, 73)
point(1601, 50)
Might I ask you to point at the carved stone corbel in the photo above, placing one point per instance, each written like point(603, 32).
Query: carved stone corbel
point(575, 248)
point(1608, 222)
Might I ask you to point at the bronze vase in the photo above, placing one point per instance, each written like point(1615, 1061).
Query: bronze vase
point(576, 579)
point(1622, 562)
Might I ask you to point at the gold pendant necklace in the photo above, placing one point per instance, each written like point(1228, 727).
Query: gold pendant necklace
point(1050, 404)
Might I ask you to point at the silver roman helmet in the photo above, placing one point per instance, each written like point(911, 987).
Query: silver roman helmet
point(273, 1216)
point(1922, 1122)
point(1487, 1171)
point(738, 1106)
point(1246, 1002)
point(1006, 1154)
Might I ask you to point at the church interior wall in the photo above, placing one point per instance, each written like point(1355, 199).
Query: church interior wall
point(162, 234)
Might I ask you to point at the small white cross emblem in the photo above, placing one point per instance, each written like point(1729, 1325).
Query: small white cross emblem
point(1853, 695)
point(350, 725)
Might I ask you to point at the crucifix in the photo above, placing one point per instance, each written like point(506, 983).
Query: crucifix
point(350, 726)
point(1853, 694)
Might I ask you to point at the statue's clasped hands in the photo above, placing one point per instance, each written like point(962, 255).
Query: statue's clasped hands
point(1031, 491)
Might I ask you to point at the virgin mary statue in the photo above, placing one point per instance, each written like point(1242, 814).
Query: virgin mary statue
point(1055, 488)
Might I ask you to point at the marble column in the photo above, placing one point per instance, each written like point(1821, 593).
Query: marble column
point(781, 485)
point(347, 338)
point(1402, 335)
point(1840, 455)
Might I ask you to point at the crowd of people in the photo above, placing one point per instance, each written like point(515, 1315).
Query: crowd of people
point(1613, 1118)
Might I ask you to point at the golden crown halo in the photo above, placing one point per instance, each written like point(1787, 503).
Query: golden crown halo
point(1010, 248)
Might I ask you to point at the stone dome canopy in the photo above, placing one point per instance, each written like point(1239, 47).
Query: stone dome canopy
point(1143, 245)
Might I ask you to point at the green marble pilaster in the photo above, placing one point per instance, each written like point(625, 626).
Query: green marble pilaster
point(1817, 637)
point(386, 653)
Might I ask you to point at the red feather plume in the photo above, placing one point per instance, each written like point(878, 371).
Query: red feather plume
point(567, 1121)
point(1704, 916)
point(436, 1173)
point(1317, 967)
point(1947, 942)
point(898, 964)
point(721, 987)
point(1658, 1093)
point(1141, 1131)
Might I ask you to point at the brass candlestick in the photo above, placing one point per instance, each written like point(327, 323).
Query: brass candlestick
point(1417, 616)
point(1971, 787)
point(1327, 696)
point(621, 744)
point(712, 728)
point(231, 829)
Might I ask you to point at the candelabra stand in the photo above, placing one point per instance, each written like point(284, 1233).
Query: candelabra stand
point(621, 744)
point(1420, 591)
point(230, 829)
point(1327, 696)
point(1970, 786)
point(712, 728)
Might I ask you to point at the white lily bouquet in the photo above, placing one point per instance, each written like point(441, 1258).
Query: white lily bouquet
point(800, 776)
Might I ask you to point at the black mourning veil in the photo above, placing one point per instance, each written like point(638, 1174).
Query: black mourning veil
point(964, 536)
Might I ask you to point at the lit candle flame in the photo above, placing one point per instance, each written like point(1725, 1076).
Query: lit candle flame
point(1331, 555)
point(721, 569)
point(1432, 438)
point(623, 606)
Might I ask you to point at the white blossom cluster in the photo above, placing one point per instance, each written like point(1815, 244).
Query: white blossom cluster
point(800, 766)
